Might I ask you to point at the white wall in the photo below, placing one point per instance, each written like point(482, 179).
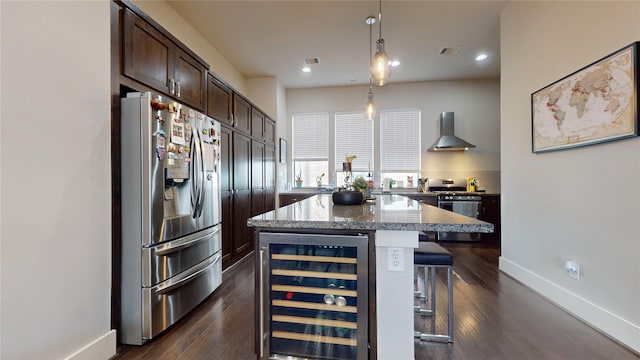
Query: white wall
point(581, 204)
point(476, 105)
point(55, 221)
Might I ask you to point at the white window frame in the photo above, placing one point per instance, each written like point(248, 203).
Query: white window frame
point(310, 144)
point(353, 135)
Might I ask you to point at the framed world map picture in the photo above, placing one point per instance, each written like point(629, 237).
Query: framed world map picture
point(595, 104)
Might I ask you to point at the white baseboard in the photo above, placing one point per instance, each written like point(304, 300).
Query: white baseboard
point(103, 347)
point(619, 329)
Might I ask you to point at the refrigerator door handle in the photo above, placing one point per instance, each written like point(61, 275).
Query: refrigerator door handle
point(199, 171)
point(196, 173)
point(194, 180)
point(203, 172)
point(161, 290)
point(172, 248)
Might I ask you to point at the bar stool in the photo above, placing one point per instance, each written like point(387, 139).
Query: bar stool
point(431, 256)
point(422, 237)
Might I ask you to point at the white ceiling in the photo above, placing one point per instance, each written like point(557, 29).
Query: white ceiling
point(271, 38)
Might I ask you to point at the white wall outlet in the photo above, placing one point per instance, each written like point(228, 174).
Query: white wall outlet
point(573, 268)
point(395, 259)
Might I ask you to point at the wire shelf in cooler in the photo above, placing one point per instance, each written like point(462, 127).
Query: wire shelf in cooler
point(314, 274)
point(332, 259)
point(315, 338)
point(314, 306)
point(313, 290)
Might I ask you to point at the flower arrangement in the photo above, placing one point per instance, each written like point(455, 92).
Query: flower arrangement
point(299, 179)
point(359, 183)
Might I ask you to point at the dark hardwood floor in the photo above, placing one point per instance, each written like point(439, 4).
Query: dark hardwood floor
point(495, 318)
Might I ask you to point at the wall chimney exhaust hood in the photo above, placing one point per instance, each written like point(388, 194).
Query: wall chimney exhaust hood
point(447, 140)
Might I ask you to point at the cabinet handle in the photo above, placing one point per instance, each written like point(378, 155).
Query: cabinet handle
point(178, 89)
point(232, 120)
point(172, 86)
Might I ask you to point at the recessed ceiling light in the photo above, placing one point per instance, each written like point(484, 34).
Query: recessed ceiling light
point(306, 69)
point(481, 57)
point(395, 63)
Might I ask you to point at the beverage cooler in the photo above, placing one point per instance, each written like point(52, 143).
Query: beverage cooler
point(312, 296)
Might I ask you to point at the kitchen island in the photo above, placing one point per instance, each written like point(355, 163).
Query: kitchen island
point(337, 280)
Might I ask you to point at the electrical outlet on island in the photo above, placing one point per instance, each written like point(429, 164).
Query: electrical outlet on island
point(395, 259)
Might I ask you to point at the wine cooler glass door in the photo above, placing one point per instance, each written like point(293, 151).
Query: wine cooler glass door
point(315, 296)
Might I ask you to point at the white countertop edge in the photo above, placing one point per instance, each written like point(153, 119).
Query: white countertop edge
point(397, 238)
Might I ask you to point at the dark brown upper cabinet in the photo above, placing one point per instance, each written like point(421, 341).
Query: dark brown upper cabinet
point(219, 100)
point(257, 124)
point(269, 131)
point(262, 127)
point(241, 114)
point(154, 60)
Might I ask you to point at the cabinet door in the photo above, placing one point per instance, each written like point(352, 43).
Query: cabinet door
point(269, 178)
point(269, 167)
point(189, 76)
point(241, 114)
point(269, 131)
point(257, 177)
point(226, 188)
point(257, 124)
point(219, 100)
point(148, 55)
point(242, 243)
point(490, 212)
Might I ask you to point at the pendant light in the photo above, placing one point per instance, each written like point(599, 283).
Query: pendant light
point(370, 108)
point(380, 66)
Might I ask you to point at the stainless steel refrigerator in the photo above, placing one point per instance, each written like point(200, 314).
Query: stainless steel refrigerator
point(171, 213)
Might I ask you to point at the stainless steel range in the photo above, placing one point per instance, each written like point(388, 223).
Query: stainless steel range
point(453, 196)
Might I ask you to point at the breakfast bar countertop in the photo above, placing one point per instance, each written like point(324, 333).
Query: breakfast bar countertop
point(386, 212)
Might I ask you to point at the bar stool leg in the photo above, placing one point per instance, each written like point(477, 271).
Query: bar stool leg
point(432, 296)
point(416, 279)
point(429, 291)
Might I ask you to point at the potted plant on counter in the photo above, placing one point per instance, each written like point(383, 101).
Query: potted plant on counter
point(360, 184)
point(299, 180)
point(319, 179)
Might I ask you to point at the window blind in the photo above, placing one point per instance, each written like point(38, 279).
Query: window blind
point(310, 136)
point(354, 136)
point(400, 140)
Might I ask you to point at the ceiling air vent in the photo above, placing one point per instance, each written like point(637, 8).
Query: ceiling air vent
point(450, 50)
point(312, 61)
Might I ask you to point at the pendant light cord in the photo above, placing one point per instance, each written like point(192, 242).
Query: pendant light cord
point(370, 56)
point(380, 19)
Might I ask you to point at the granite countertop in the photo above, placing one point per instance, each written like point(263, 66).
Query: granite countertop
point(387, 212)
point(395, 191)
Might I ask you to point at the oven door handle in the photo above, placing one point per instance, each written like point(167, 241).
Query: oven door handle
point(183, 244)
point(162, 290)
